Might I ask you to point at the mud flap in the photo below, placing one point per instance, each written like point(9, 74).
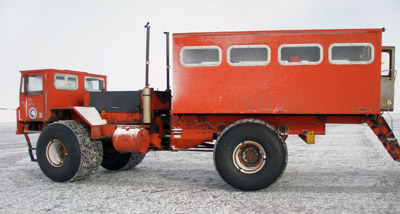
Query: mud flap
point(384, 133)
point(93, 118)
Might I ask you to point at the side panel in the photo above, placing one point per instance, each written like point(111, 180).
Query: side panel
point(192, 130)
point(322, 88)
point(116, 101)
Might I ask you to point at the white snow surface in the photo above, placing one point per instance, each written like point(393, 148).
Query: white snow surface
point(346, 171)
point(7, 116)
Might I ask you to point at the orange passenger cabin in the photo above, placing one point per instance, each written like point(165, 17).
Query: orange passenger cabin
point(278, 72)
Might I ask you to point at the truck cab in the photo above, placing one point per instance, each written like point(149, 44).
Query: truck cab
point(45, 95)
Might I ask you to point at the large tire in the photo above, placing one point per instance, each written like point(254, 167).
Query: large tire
point(65, 151)
point(250, 155)
point(114, 160)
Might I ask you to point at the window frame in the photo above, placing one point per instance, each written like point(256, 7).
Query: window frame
point(23, 85)
point(98, 78)
point(386, 72)
point(249, 63)
point(206, 64)
point(321, 55)
point(66, 76)
point(347, 62)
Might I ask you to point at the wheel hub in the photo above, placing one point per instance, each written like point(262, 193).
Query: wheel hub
point(249, 157)
point(56, 153)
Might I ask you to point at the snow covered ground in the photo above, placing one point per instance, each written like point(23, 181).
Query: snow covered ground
point(346, 171)
point(7, 115)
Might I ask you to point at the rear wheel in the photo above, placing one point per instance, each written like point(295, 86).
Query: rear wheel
point(65, 151)
point(135, 160)
point(114, 160)
point(250, 155)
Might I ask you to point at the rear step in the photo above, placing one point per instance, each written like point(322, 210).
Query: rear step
point(381, 129)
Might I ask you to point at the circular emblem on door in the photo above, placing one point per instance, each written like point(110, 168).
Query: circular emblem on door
point(32, 113)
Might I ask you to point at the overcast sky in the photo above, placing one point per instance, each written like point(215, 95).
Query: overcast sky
point(108, 37)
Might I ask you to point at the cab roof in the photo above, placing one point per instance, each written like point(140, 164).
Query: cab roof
point(50, 70)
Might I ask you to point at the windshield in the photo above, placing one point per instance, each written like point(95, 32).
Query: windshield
point(34, 84)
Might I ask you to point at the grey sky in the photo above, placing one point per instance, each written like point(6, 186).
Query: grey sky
point(107, 37)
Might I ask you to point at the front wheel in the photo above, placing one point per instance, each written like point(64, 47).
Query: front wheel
point(250, 155)
point(65, 151)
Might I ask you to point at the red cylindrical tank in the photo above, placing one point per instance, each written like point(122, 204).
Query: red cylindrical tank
point(131, 140)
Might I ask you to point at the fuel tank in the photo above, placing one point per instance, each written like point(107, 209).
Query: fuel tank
point(131, 140)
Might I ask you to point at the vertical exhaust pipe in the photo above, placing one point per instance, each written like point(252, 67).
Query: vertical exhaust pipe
point(167, 54)
point(146, 93)
point(147, 26)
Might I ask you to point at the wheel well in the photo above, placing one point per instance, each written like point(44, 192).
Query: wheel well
point(248, 120)
point(61, 114)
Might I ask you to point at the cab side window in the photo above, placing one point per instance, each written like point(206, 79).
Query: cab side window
point(65, 82)
point(94, 84)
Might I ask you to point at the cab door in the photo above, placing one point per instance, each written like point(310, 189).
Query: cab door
point(388, 75)
point(32, 101)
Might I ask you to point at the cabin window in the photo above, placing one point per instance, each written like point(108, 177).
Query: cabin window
point(35, 84)
point(197, 56)
point(300, 54)
point(248, 55)
point(385, 64)
point(65, 82)
point(94, 84)
point(351, 53)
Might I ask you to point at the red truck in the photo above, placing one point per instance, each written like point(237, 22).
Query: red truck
point(237, 94)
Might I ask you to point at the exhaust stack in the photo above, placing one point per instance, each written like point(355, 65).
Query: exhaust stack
point(146, 93)
point(167, 54)
point(147, 26)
